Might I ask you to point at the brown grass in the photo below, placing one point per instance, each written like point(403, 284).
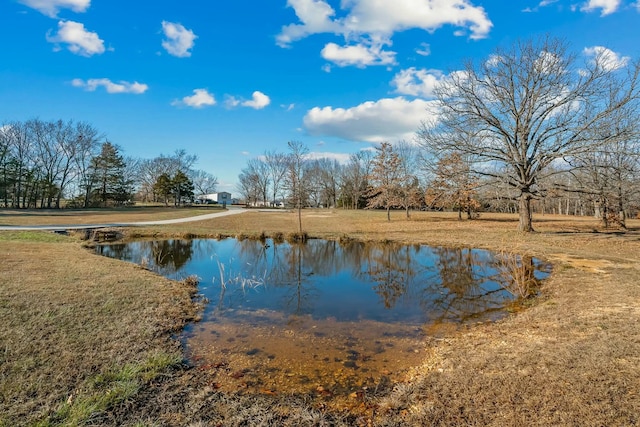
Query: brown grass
point(572, 358)
point(68, 316)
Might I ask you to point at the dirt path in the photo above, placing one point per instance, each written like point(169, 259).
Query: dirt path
point(231, 211)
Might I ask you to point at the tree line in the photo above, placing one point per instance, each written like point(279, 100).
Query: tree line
point(530, 129)
point(55, 164)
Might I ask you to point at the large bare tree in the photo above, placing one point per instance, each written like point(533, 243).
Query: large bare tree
point(524, 108)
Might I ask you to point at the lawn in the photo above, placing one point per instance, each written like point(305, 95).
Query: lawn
point(89, 340)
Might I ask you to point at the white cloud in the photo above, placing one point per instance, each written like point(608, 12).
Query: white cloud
point(315, 16)
point(179, 40)
point(258, 101)
point(342, 158)
point(359, 55)
point(606, 58)
point(200, 98)
point(424, 49)
point(78, 39)
point(111, 87)
point(52, 7)
point(375, 21)
point(495, 60)
point(388, 119)
point(288, 107)
point(607, 6)
point(231, 101)
point(417, 82)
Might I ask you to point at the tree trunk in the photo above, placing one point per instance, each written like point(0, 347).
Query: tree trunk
point(622, 218)
point(597, 209)
point(525, 213)
point(388, 214)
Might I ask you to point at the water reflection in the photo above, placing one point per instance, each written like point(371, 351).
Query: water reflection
point(324, 316)
point(351, 281)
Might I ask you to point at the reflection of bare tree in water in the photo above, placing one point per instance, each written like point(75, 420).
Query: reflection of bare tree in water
point(288, 266)
point(452, 284)
point(467, 291)
point(391, 270)
point(298, 301)
point(118, 251)
point(167, 256)
point(170, 255)
point(440, 283)
point(516, 274)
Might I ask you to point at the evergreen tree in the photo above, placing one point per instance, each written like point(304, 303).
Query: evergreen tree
point(182, 188)
point(163, 187)
point(107, 171)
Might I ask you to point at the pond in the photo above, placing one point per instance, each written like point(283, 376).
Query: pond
point(327, 317)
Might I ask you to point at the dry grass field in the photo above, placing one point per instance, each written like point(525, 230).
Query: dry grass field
point(87, 340)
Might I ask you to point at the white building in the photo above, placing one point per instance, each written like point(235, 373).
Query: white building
point(222, 198)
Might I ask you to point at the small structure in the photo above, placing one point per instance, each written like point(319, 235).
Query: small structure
point(222, 197)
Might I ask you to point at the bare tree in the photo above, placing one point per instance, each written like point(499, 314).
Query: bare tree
point(411, 194)
point(453, 186)
point(385, 179)
point(181, 161)
point(86, 146)
point(324, 176)
point(203, 182)
point(46, 158)
point(277, 165)
point(296, 181)
point(151, 169)
point(522, 109)
point(260, 171)
point(20, 167)
point(330, 173)
point(355, 178)
point(248, 187)
point(5, 161)
point(67, 136)
point(609, 176)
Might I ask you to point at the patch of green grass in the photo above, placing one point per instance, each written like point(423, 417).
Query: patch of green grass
point(33, 236)
point(108, 389)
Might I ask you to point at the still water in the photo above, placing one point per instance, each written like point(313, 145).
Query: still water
point(325, 317)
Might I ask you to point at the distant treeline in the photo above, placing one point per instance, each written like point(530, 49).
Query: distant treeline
point(54, 164)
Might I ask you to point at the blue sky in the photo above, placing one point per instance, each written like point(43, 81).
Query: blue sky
point(228, 80)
